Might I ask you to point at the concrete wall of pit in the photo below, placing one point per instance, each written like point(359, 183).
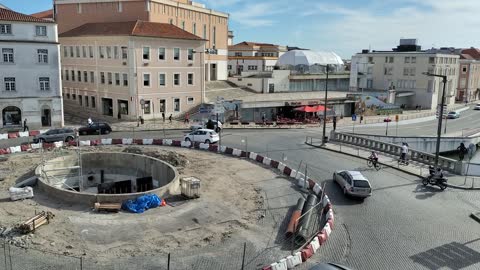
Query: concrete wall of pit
point(161, 171)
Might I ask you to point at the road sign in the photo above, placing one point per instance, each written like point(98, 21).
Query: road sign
point(204, 110)
point(354, 117)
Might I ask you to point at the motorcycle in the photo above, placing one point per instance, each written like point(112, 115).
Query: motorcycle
point(435, 179)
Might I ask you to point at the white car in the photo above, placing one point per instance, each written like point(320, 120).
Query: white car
point(477, 106)
point(202, 135)
point(353, 183)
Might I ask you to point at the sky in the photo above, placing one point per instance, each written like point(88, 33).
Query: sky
point(345, 27)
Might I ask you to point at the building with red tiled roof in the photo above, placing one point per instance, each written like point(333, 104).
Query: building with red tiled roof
point(30, 72)
point(253, 57)
point(46, 15)
point(132, 69)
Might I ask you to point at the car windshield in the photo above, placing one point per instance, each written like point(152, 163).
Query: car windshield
point(361, 184)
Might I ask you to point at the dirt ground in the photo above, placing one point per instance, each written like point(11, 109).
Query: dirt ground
point(231, 206)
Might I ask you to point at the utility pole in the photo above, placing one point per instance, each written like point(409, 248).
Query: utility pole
point(324, 141)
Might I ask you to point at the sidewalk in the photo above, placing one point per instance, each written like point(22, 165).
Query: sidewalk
point(417, 169)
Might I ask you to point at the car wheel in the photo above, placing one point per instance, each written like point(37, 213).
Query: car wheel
point(187, 139)
point(69, 139)
point(84, 133)
point(107, 131)
point(207, 141)
point(41, 140)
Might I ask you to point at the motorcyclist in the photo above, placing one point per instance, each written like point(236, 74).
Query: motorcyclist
point(436, 174)
point(374, 157)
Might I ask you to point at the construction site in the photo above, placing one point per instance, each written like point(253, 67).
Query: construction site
point(238, 218)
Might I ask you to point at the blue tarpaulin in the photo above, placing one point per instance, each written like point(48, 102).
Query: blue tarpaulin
point(142, 203)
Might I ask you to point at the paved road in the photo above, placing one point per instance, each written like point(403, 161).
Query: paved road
point(402, 226)
point(468, 120)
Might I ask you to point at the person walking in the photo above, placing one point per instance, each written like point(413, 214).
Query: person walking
point(403, 157)
point(170, 118)
point(462, 150)
point(25, 127)
point(187, 120)
point(89, 121)
point(335, 123)
point(163, 116)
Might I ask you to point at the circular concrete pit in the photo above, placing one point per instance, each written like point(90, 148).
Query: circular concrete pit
point(106, 177)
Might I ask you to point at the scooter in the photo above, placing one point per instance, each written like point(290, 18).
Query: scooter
point(435, 179)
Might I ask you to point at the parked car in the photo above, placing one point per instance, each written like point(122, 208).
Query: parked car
point(453, 115)
point(93, 129)
point(353, 183)
point(202, 124)
point(329, 266)
point(202, 135)
point(477, 107)
point(56, 135)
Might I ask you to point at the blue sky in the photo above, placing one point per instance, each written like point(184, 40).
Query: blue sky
point(345, 26)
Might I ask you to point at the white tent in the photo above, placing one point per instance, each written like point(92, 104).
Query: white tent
point(309, 58)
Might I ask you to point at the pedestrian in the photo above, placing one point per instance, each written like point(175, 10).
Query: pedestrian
point(170, 118)
point(403, 157)
point(25, 127)
point(334, 122)
point(163, 116)
point(187, 120)
point(89, 121)
point(462, 150)
point(263, 118)
point(361, 118)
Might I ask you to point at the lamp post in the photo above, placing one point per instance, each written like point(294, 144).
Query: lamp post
point(202, 69)
point(440, 116)
point(324, 141)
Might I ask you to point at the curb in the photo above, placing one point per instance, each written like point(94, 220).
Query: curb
point(390, 166)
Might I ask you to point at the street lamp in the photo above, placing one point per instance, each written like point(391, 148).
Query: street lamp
point(202, 69)
point(324, 141)
point(440, 115)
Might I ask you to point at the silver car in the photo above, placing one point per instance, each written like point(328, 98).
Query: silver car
point(55, 135)
point(353, 183)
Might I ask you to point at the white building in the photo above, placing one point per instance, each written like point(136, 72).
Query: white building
point(401, 71)
point(29, 71)
point(253, 57)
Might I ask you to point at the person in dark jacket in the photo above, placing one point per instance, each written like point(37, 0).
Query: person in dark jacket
point(462, 150)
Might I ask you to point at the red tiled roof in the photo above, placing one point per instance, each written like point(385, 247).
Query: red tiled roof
point(47, 14)
point(473, 52)
point(133, 28)
point(9, 15)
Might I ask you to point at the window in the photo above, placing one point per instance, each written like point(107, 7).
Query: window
point(109, 52)
point(102, 77)
point(117, 78)
point(120, 7)
point(92, 77)
point(79, 8)
point(9, 84)
point(65, 51)
point(67, 74)
point(73, 75)
point(85, 76)
point(229, 67)
point(431, 60)
point(93, 102)
point(5, 29)
point(238, 54)
point(190, 55)
point(101, 51)
point(146, 80)
point(115, 52)
point(214, 37)
point(44, 83)
point(412, 71)
point(161, 53)
point(162, 105)
point(171, 21)
point(125, 79)
point(7, 55)
point(42, 56)
point(204, 31)
point(147, 107)
point(110, 78)
point(68, 95)
point(176, 54)
point(41, 30)
point(161, 79)
point(407, 60)
point(176, 105)
point(190, 100)
point(90, 51)
point(463, 82)
point(84, 52)
point(405, 71)
point(183, 25)
point(369, 83)
point(414, 60)
point(252, 67)
point(77, 51)
point(390, 60)
point(464, 69)
point(71, 52)
point(190, 79)
point(79, 73)
point(146, 53)
point(271, 88)
point(124, 53)
point(194, 29)
point(370, 60)
point(86, 101)
point(176, 79)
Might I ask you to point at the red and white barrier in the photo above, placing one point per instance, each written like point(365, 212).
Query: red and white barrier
point(294, 260)
point(15, 149)
point(127, 141)
point(317, 189)
point(106, 141)
point(85, 143)
point(267, 161)
point(237, 152)
point(167, 142)
point(253, 156)
point(223, 148)
point(204, 146)
point(58, 144)
point(24, 134)
point(315, 244)
point(281, 265)
point(186, 144)
point(281, 167)
point(147, 141)
point(3, 136)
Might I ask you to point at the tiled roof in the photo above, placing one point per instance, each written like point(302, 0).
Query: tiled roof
point(9, 15)
point(47, 14)
point(248, 43)
point(133, 28)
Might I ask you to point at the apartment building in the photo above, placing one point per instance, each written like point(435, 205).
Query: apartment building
point(29, 71)
point(132, 69)
point(192, 17)
point(469, 75)
point(400, 73)
point(253, 57)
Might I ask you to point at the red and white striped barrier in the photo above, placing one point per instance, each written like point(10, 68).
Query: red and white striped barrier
point(20, 134)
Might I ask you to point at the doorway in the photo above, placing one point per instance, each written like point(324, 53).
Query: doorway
point(12, 116)
point(46, 116)
point(213, 72)
point(122, 108)
point(107, 105)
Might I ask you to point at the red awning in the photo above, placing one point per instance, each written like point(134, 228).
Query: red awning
point(318, 108)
